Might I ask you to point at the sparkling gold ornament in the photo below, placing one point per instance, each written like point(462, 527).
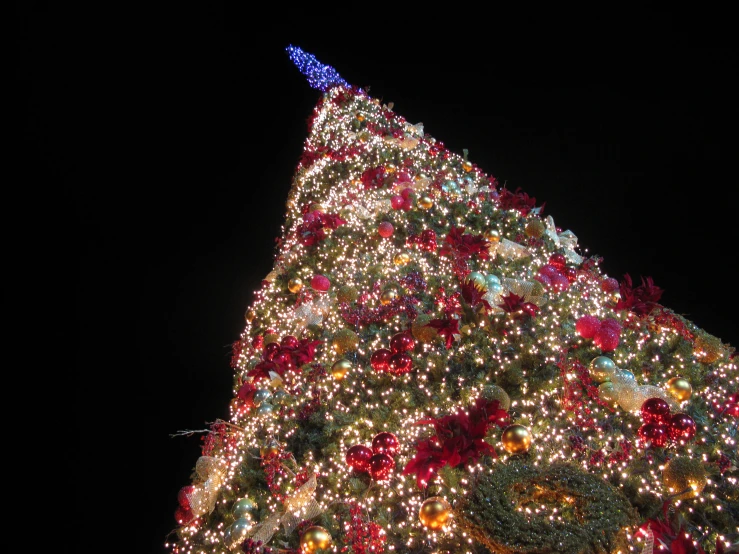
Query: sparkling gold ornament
point(346, 293)
point(250, 316)
point(602, 368)
point(340, 369)
point(402, 258)
point(315, 538)
point(492, 235)
point(684, 477)
point(272, 448)
point(345, 340)
point(516, 439)
point(388, 296)
point(467, 166)
point(360, 117)
point(294, 285)
point(421, 332)
point(707, 348)
point(535, 228)
point(680, 389)
point(494, 392)
point(435, 512)
point(425, 202)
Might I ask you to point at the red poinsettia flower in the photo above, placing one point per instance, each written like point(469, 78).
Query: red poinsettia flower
point(639, 300)
point(373, 177)
point(285, 359)
point(314, 225)
point(517, 200)
point(447, 328)
point(514, 304)
point(458, 245)
point(474, 295)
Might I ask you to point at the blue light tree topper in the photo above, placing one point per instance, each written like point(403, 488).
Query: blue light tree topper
point(320, 76)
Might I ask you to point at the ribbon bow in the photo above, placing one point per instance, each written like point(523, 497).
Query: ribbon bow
point(566, 240)
point(203, 497)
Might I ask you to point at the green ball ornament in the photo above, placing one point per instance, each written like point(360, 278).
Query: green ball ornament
point(602, 368)
point(243, 508)
point(608, 394)
point(261, 396)
point(237, 531)
point(477, 279)
point(265, 409)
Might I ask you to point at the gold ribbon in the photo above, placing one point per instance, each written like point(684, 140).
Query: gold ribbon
point(522, 288)
point(302, 505)
point(566, 240)
point(509, 249)
point(203, 497)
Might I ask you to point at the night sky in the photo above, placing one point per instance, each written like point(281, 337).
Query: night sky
point(175, 136)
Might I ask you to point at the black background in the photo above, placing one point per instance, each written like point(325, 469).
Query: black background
point(174, 133)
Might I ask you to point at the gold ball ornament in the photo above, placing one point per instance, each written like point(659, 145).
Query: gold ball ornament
point(425, 202)
point(707, 348)
point(346, 293)
point(421, 332)
point(467, 166)
point(272, 448)
point(388, 296)
point(608, 394)
point(684, 477)
point(345, 340)
point(315, 538)
point(435, 512)
point(602, 368)
point(680, 389)
point(294, 285)
point(340, 369)
point(316, 207)
point(492, 235)
point(250, 316)
point(535, 228)
point(516, 439)
point(402, 258)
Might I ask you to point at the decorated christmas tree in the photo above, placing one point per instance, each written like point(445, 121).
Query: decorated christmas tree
point(432, 365)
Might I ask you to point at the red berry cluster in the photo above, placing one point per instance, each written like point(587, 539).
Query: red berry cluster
point(606, 332)
point(395, 360)
point(379, 460)
point(556, 274)
point(659, 426)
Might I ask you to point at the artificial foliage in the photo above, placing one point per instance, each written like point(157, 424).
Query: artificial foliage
point(432, 365)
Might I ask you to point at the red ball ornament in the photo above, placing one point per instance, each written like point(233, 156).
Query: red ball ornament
point(681, 427)
point(570, 273)
point(611, 323)
point(385, 229)
point(587, 325)
point(402, 342)
point(558, 260)
point(270, 351)
point(428, 240)
point(381, 465)
point(380, 359)
point(320, 283)
point(183, 496)
point(406, 193)
point(548, 270)
point(397, 201)
point(358, 457)
point(400, 363)
point(407, 204)
point(290, 341)
point(257, 342)
point(544, 280)
point(183, 516)
point(559, 282)
point(653, 435)
point(284, 358)
point(655, 410)
point(609, 285)
point(385, 443)
point(606, 338)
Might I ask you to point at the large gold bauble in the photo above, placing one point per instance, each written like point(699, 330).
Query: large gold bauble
point(388, 296)
point(492, 235)
point(535, 228)
point(250, 316)
point(346, 293)
point(402, 258)
point(345, 340)
point(707, 348)
point(425, 202)
point(340, 369)
point(421, 332)
point(494, 392)
point(435, 512)
point(602, 368)
point(684, 477)
point(467, 166)
point(516, 439)
point(272, 448)
point(294, 285)
point(680, 389)
point(315, 538)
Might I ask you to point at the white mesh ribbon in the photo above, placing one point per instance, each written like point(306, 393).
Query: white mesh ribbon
point(566, 240)
point(203, 497)
point(648, 542)
point(302, 505)
point(525, 289)
point(308, 314)
point(511, 250)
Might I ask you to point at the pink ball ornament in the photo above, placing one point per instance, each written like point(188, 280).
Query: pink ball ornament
point(611, 323)
point(397, 201)
point(653, 434)
point(559, 282)
point(587, 325)
point(606, 338)
point(380, 359)
point(358, 457)
point(400, 363)
point(381, 466)
point(320, 283)
point(655, 410)
point(548, 270)
point(402, 342)
point(407, 204)
point(544, 280)
point(385, 229)
point(681, 428)
point(385, 443)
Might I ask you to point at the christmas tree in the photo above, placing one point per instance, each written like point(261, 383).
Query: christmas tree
point(433, 365)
